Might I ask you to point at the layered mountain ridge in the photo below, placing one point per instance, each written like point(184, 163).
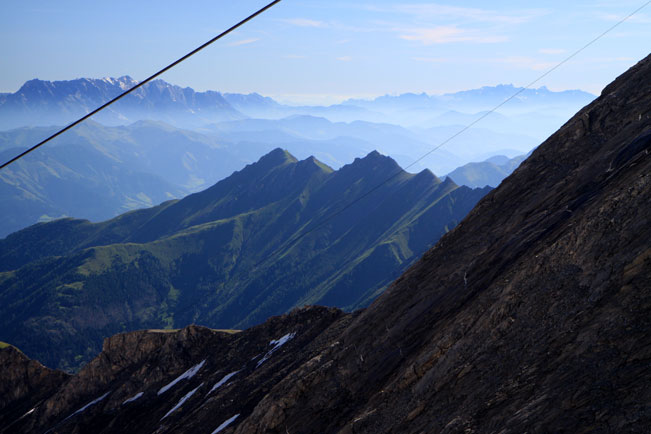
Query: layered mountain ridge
point(532, 315)
point(97, 172)
point(490, 172)
point(44, 103)
point(277, 234)
point(163, 141)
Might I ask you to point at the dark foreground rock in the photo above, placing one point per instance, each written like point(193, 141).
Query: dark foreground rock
point(24, 383)
point(162, 381)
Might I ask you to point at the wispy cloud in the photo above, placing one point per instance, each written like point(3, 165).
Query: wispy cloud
point(552, 51)
point(344, 58)
point(440, 11)
point(305, 22)
point(448, 34)
point(609, 59)
point(432, 59)
point(525, 62)
point(243, 42)
point(638, 18)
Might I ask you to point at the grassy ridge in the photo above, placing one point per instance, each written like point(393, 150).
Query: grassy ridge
point(222, 258)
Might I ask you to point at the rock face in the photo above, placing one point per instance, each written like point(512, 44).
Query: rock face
point(533, 315)
point(24, 383)
point(188, 380)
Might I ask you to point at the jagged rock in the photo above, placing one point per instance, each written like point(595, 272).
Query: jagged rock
point(135, 383)
point(23, 384)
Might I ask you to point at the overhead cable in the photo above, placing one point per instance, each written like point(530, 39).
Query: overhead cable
point(142, 83)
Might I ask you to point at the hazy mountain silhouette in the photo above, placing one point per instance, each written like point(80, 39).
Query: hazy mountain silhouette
point(44, 103)
point(490, 172)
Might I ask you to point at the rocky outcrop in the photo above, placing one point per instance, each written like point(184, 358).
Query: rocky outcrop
point(24, 383)
point(166, 381)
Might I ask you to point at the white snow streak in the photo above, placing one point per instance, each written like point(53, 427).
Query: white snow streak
point(222, 381)
point(89, 404)
point(133, 398)
point(277, 343)
point(28, 413)
point(182, 401)
point(225, 424)
point(187, 374)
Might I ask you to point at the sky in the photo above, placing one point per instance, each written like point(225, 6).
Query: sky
point(324, 51)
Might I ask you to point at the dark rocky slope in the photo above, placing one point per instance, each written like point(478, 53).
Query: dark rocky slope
point(533, 315)
point(135, 384)
point(24, 384)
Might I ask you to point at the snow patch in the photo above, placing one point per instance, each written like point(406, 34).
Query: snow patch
point(186, 375)
point(91, 403)
point(277, 343)
point(28, 413)
point(182, 401)
point(225, 424)
point(222, 381)
point(133, 398)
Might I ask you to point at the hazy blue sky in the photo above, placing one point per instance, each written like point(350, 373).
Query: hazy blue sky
point(323, 50)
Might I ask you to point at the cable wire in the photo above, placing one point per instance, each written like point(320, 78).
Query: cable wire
point(142, 83)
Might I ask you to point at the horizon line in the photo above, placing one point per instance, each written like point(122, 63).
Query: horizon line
point(303, 99)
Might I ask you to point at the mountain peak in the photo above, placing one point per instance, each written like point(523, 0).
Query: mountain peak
point(449, 182)
point(428, 175)
point(376, 161)
point(278, 156)
point(313, 161)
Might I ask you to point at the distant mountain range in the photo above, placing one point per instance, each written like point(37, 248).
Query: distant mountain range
point(97, 172)
point(164, 141)
point(44, 103)
point(275, 235)
point(483, 98)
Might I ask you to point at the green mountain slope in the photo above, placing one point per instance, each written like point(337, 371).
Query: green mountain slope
point(490, 172)
point(251, 246)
